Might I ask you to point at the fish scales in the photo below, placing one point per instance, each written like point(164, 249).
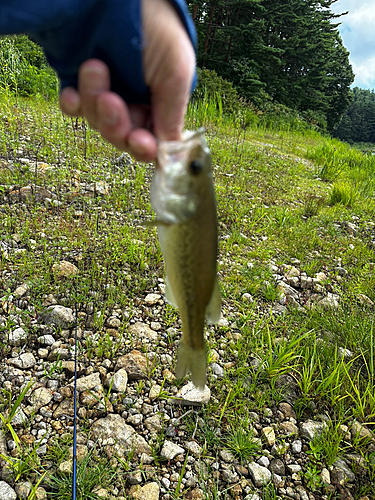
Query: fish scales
point(183, 198)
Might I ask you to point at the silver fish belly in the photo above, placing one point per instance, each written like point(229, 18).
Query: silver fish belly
point(182, 196)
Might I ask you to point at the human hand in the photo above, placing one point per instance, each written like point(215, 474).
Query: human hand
point(168, 65)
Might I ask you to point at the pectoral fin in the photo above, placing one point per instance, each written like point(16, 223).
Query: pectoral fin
point(153, 223)
point(213, 309)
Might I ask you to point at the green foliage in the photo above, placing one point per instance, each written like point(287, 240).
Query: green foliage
point(287, 51)
point(24, 69)
point(343, 193)
point(211, 86)
point(358, 122)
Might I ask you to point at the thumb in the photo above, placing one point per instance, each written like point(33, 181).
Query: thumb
point(169, 66)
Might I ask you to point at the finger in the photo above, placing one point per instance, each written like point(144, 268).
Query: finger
point(93, 79)
point(169, 65)
point(142, 144)
point(70, 102)
point(119, 126)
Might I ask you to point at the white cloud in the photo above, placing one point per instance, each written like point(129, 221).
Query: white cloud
point(358, 34)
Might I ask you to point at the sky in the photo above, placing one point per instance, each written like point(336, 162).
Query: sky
point(358, 33)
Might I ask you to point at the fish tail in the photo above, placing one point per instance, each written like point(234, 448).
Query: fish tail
point(193, 361)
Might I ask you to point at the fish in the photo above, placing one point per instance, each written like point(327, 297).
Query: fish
point(183, 199)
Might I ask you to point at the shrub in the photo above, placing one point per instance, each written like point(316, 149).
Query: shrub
point(214, 88)
point(24, 69)
point(343, 193)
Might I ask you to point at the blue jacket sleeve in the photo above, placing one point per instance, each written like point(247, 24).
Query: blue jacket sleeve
point(72, 31)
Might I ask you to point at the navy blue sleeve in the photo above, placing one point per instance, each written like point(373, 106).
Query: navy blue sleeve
point(72, 31)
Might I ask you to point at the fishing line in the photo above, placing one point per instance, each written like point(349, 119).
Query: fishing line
point(74, 479)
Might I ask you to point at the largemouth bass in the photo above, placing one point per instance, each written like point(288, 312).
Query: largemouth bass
point(183, 198)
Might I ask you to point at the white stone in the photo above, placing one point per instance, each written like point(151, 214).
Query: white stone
point(152, 298)
point(126, 438)
point(25, 360)
point(40, 397)
point(6, 492)
point(259, 474)
point(170, 450)
point(190, 395)
point(59, 316)
point(17, 337)
point(311, 429)
point(120, 380)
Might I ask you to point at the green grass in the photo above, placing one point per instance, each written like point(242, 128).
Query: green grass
point(283, 193)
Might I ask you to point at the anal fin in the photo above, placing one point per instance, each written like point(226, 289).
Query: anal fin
point(213, 310)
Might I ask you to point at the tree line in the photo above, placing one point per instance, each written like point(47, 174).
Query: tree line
point(289, 51)
point(358, 122)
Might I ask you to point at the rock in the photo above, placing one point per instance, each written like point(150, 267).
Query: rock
point(6, 492)
point(113, 322)
point(120, 380)
point(217, 370)
point(153, 424)
point(59, 316)
point(65, 269)
point(223, 322)
point(152, 298)
point(289, 388)
point(25, 360)
point(311, 429)
point(40, 397)
point(46, 340)
point(150, 491)
point(40, 494)
point(98, 188)
point(113, 430)
point(288, 428)
point(277, 466)
point(3, 443)
point(135, 364)
point(364, 300)
point(82, 452)
point(320, 278)
point(341, 472)
point(135, 419)
point(278, 481)
point(252, 496)
point(344, 353)
point(292, 272)
point(226, 456)
point(31, 192)
point(135, 477)
point(246, 297)
point(329, 302)
point(17, 337)
point(190, 395)
point(269, 435)
point(66, 467)
point(259, 474)
point(23, 490)
point(296, 447)
point(194, 448)
point(287, 410)
point(154, 391)
point(64, 408)
point(359, 431)
point(325, 475)
point(88, 382)
point(293, 468)
point(263, 460)
point(21, 290)
point(170, 450)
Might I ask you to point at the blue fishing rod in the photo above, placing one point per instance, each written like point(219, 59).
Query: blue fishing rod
point(74, 479)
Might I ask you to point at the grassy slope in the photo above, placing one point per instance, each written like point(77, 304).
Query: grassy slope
point(274, 208)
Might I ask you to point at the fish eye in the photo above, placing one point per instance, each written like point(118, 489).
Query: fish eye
point(196, 167)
